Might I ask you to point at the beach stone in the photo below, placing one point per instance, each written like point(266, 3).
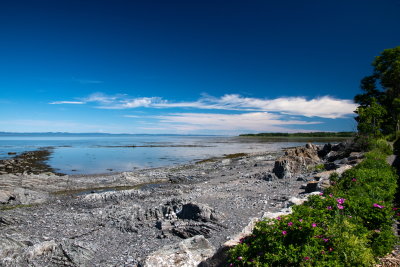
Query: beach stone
point(355, 155)
point(6, 196)
point(10, 251)
point(323, 175)
point(331, 166)
point(187, 253)
point(323, 184)
point(247, 230)
point(71, 253)
point(6, 220)
point(226, 161)
point(325, 150)
point(311, 186)
point(269, 177)
point(342, 169)
point(339, 151)
point(295, 201)
point(273, 215)
point(197, 212)
point(26, 196)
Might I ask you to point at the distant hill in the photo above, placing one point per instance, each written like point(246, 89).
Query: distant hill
point(313, 134)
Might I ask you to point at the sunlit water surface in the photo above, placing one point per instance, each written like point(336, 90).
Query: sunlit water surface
point(101, 154)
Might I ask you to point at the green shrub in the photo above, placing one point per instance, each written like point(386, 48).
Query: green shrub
point(382, 145)
point(319, 167)
point(348, 225)
point(368, 143)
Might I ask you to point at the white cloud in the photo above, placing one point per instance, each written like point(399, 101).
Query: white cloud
point(101, 98)
point(67, 102)
point(134, 103)
point(255, 121)
point(131, 116)
point(323, 107)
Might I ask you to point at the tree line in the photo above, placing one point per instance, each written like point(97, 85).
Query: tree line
point(378, 113)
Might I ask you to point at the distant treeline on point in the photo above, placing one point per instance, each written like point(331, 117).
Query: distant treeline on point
point(313, 134)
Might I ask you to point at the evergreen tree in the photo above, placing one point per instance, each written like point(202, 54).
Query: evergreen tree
point(381, 88)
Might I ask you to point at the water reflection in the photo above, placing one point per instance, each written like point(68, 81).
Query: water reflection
point(89, 155)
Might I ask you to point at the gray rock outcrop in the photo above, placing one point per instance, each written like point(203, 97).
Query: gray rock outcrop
point(187, 253)
point(14, 253)
point(296, 161)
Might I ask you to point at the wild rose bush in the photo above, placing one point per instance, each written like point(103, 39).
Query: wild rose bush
point(350, 224)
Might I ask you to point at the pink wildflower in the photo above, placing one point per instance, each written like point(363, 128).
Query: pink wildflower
point(354, 180)
point(306, 258)
point(378, 206)
point(329, 207)
point(284, 232)
point(314, 225)
point(321, 194)
point(330, 195)
point(278, 218)
point(300, 220)
point(290, 224)
point(340, 206)
point(325, 239)
point(240, 258)
point(340, 200)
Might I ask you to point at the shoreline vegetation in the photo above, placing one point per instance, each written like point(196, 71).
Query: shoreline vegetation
point(350, 223)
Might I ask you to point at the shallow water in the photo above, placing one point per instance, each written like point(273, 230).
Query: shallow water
point(101, 154)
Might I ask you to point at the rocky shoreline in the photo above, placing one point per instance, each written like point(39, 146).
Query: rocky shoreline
point(156, 217)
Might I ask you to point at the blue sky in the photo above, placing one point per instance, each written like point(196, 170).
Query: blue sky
point(188, 67)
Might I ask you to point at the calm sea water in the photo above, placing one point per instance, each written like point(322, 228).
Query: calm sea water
point(101, 154)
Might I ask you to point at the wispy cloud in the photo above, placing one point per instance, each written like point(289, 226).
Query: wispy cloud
point(254, 121)
point(222, 123)
point(324, 107)
point(135, 103)
point(67, 102)
point(103, 99)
